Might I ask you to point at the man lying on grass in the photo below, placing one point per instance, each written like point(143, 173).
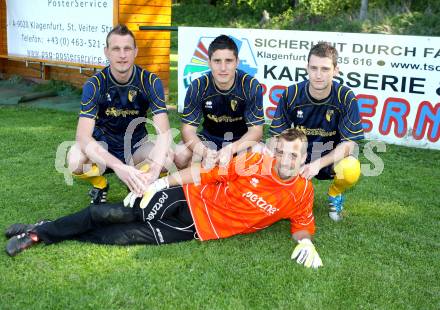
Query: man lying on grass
point(254, 191)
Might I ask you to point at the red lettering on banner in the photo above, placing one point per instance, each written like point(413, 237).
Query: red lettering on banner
point(263, 89)
point(427, 114)
point(367, 108)
point(270, 112)
point(395, 111)
point(275, 94)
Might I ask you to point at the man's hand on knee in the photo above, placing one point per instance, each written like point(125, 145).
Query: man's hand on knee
point(132, 177)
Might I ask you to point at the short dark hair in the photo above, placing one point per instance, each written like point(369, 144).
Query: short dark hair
point(121, 30)
point(324, 49)
point(222, 42)
point(291, 134)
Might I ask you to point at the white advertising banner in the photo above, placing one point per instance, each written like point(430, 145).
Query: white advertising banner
point(59, 30)
point(396, 78)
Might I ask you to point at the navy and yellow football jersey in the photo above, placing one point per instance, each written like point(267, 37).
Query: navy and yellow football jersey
point(114, 105)
point(333, 119)
point(231, 111)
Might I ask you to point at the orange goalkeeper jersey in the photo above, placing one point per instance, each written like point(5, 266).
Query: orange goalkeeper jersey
point(248, 196)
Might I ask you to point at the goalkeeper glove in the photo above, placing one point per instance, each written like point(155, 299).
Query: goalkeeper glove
point(152, 189)
point(305, 254)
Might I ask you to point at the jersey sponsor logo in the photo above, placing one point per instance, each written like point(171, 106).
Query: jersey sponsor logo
point(198, 64)
point(260, 203)
point(208, 104)
point(157, 206)
point(117, 112)
point(329, 115)
point(132, 95)
point(299, 114)
point(224, 118)
point(316, 131)
point(254, 182)
point(234, 104)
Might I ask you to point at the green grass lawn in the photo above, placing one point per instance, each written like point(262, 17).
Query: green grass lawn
point(384, 255)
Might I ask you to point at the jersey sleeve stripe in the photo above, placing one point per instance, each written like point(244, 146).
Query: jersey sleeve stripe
point(255, 123)
point(259, 108)
point(339, 94)
point(97, 80)
point(278, 126)
point(154, 89)
point(353, 138)
point(351, 101)
point(191, 112)
point(243, 80)
point(196, 120)
point(256, 116)
point(89, 109)
point(354, 123)
point(158, 107)
point(346, 95)
point(83, 114)
point(159, 111)
point(189, 104)
point(142, 81)
point(207, 83)
point(198, 87)
point(190, 122)
point(294, 96)
point(277, 118)
point(351, 131)
point(93, 96)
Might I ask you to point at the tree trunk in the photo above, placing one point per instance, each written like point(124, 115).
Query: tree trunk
point(364, 10)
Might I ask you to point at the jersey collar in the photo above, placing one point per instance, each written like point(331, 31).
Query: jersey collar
point(316, 101)
point(225, 92)
point(130, 80)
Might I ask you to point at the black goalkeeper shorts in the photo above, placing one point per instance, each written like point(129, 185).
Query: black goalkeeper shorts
point(166, 219)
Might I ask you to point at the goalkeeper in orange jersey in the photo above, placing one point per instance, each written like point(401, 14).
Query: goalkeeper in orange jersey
point(252, 192)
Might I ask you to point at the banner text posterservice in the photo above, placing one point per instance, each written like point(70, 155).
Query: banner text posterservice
point(59, 30)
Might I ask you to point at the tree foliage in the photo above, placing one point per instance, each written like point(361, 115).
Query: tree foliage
point(318, 7)
point(416, 17)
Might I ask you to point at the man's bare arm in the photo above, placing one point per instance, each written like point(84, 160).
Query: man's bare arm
point(162, 144)
point(132, 177)
point(90, 147)
point(192, 141)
